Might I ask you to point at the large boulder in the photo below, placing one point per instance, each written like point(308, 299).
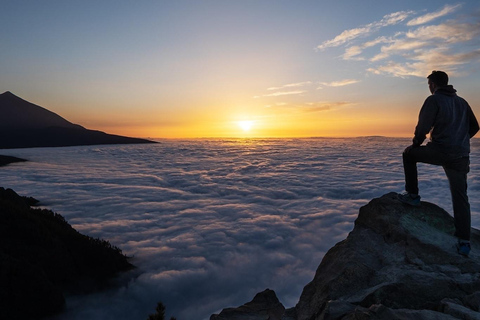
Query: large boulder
point(398, 257)
point(399, 262)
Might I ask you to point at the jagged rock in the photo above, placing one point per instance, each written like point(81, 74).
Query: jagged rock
point(380, 312)
point(399, 257)
point(456, 309)
point(399, 262)
point(264, 306)
point(42, 256)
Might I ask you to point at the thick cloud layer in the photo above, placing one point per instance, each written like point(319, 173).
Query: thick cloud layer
point(209, 223)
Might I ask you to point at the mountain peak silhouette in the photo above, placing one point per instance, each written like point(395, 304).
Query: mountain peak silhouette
point(21, 114)
point(24, 124)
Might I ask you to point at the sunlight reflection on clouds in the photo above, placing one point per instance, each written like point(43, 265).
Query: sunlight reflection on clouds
point(209, 223)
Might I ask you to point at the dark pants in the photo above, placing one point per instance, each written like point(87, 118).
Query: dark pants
point(456, 170)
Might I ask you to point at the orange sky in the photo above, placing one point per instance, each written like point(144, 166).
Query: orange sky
point(197, 69)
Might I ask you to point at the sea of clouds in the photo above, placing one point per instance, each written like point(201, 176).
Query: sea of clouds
point(209, 223)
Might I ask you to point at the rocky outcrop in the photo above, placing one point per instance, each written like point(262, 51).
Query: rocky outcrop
point(42, 256)
point(25, 125)
point(265, 305)
point(399, 262)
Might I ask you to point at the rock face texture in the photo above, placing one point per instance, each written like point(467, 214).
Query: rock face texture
point(265, 305)
point(24, 125)
point(399, 262)
point(42, 256)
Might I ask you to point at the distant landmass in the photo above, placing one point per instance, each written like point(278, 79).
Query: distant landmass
point(4, 160)
point(26, 125)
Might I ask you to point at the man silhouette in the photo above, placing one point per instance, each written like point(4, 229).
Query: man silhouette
point(451, 123)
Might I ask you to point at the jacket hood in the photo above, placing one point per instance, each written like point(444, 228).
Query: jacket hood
point(446, 90)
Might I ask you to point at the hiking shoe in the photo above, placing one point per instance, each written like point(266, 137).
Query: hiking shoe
point(463, 248)
point(409, 198)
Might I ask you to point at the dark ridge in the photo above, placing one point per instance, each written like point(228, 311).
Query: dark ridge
point(26, 125)
point(4, 160)
point(21, 114)
point(42, 257)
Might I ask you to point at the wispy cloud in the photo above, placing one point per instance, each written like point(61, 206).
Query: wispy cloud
point(427, 48)
point(397, 47)
point(353, 51)
point(425, 61)
point(286, 89)
point(351, 34)
point(282, 93)
point(321, 106)
point(417, 48)
point(309, 107)
point(312, 107)
point(400, 69)
point(451, 32)
point(433, 15)
point(340, 83)
point(291, 85)
point(283, 90)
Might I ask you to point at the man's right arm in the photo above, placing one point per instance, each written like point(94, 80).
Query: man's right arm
point(426, 120)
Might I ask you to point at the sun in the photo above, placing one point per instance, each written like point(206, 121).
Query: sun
point(246, 125)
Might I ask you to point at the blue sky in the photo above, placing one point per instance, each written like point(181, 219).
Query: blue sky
point(196, 68)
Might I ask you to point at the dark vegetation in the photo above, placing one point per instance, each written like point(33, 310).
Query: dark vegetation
point(160, 313)
point(42, 257)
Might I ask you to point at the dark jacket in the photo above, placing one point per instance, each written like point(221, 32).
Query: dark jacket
point(450, 121)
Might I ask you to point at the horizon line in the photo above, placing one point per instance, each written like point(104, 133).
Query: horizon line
point(279, 138)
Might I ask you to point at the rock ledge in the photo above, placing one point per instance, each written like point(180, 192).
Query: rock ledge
point(399, 262)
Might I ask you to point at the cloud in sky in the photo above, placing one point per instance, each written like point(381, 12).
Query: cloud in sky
point(313, 107)
point(286, 90)
point(362, 31)
point(415, 48)
point(340, 83)
point(434, 15)
point(290, 85)
point(428, 48)
point(212, 222)
point(353, 51)
point(324, 106)
point(424, 61)
point(283, 93)
point(306, 107)
point(283, 90)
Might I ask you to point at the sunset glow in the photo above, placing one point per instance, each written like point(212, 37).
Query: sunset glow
point(191, 69)
point(246, 125)
point(266, 128)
